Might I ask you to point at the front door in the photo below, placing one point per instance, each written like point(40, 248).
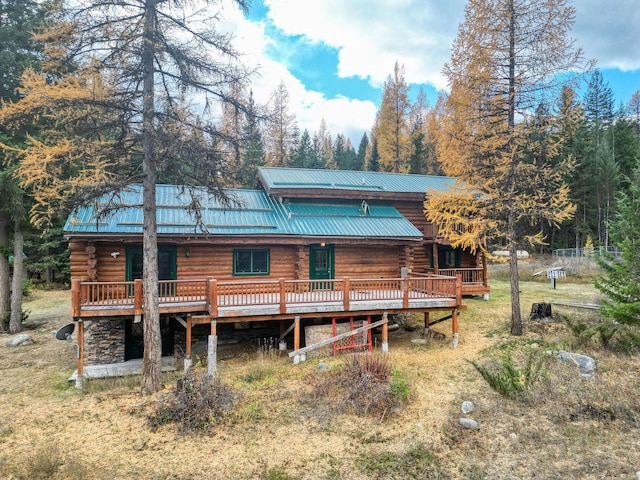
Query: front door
point(321, 265)
point(167, 268)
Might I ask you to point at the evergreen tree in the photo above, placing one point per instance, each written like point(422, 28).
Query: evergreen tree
point(598, 106)
point(303, 156)
point(391, 128)
point(361, 154)
point(323, 147)
point(419, 157)
point(343, 153)
point(373, 165)
point(620, 280)
point(253, 155)
point(633, 111)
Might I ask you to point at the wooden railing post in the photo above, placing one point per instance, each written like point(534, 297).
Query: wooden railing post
point(137, 300)
point(459, 290)
point(283, 296)
point(75, 297)
point(405, 292)
point(212, 296)
point(346, 287)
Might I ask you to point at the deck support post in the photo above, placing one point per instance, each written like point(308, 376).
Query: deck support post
point(214, 327)
point(212, 356)
point(296, 333)
point(454, 326)
point(80, 376)
point(385, 333)
point(426, 322)
point(188, 361)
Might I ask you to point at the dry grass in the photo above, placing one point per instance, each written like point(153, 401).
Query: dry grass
point(566, 427)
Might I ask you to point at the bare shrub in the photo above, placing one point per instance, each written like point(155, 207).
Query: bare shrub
point(364, 384)
point(199, 402)
point(44, 462)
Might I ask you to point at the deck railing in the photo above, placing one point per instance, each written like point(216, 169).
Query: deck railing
point(470, 276)
point(212, 295)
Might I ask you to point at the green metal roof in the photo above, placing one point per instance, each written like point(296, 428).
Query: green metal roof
point(275, 179)
point(252, 212)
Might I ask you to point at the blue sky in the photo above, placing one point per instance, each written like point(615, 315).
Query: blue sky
point(334, 55)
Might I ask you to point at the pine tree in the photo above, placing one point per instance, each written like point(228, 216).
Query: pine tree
point(373, 163)
point(620, 282)
point(391, 128)
point(323, 147)
point(252, 147)
point(361, 154)
point(303, 153)
point(506, 58)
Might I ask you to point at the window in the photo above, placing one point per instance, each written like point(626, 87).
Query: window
point(251, 262)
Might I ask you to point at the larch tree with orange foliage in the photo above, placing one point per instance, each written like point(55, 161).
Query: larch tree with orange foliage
point(507, 60)
point(117, 83)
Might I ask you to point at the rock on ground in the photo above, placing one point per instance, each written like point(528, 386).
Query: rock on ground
point(585, 364)
point(469, 423)
point(20, 339)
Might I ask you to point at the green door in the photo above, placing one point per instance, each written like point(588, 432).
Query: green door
point(167, 268)
point(321, 265)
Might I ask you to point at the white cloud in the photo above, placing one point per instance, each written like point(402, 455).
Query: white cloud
point(609, 32)
point(371, 36)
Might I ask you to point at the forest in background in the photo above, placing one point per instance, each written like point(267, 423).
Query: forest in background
point(601, 138)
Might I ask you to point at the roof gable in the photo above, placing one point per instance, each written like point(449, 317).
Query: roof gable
point(312, 183)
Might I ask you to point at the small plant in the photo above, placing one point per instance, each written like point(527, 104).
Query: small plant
point(276, 473)
point(44, 462)
point(509, 380)
point(198, 402)
point(417, 462)
point(399, 387)
point(581, 331)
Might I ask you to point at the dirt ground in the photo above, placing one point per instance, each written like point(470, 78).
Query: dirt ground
point(49, 429)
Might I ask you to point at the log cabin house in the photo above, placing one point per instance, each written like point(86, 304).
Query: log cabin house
point(305, 246)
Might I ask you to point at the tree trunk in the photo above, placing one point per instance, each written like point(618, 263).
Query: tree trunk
point(152, 358)
point(516, 317)
point(5, 278)
point(15, 323)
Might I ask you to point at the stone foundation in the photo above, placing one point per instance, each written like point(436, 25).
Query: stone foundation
point(104, 341)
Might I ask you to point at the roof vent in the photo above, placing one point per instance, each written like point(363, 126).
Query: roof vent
point(364, 208)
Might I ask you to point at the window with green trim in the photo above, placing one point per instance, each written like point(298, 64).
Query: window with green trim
point(251, 262)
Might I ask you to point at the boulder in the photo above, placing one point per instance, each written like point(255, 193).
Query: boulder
point(469, 423)
point(20, 339)
point(467, 407)
point(585, 364)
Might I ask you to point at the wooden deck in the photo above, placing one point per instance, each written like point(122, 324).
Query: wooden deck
point(237, 300)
